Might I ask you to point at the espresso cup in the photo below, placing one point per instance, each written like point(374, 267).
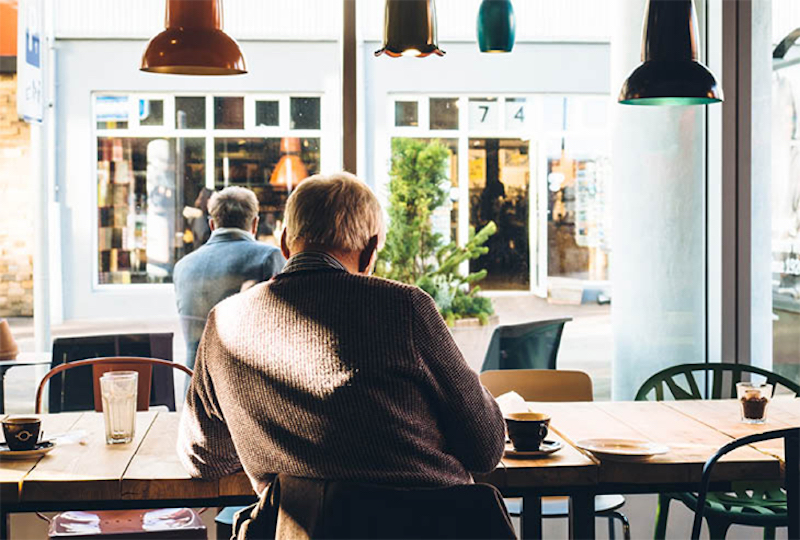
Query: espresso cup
point(21, 433)
point(527, 430)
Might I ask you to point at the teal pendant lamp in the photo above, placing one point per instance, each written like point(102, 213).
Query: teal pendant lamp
point(497, 26)
point(671, 73)
point(410, 29)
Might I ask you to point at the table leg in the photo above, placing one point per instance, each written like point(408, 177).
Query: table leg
point(581, 516)
point(792, 455)
point(2, 389)
point(531, 518)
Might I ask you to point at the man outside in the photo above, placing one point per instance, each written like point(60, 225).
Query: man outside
point(328, 373)
point(220, 268)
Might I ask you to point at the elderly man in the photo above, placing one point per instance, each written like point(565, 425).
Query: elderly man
point(230, 259)
point(328, 373)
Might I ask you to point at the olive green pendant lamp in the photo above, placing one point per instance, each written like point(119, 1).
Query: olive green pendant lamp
point(410, 29)
point(497, 26)
point(671, 73)
point(193, 42)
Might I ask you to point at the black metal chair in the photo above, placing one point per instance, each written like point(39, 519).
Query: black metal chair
point(531, 345)
point(791, 442)
point(73, 390)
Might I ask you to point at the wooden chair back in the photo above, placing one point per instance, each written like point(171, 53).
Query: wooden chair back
point(143, 366)
point(540, 384)
point(689, 381)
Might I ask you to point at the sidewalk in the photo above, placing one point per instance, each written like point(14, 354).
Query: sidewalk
point(586, 344)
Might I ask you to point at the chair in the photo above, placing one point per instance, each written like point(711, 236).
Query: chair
point(300, 508)
point(756, 505)
point(161, 523)
point(73, 391)
point(532, 345)
point(554, 385)
point(791, 442)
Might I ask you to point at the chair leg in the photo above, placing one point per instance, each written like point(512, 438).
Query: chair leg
point(717, 528)
point(623, 519)
point(662, 513)
point(769, 533)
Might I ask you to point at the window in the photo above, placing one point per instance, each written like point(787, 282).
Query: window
point(157, 168)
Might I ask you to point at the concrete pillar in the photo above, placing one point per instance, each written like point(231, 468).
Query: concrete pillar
point(658, 259)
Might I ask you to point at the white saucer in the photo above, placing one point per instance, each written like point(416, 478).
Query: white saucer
point(38, 451)
point(547, 448)
point(622, 449)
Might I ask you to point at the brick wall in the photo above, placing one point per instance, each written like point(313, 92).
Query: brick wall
point(16, 207)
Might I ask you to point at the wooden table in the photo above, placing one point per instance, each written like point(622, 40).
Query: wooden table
point(147, 474)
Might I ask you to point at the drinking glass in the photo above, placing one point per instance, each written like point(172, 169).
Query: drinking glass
point(118, 390)
point(753, 399)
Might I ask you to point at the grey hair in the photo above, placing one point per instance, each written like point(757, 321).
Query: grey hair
point(337, 211)
point(233, 207)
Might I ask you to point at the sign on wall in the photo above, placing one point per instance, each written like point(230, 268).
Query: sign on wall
point(30, 98)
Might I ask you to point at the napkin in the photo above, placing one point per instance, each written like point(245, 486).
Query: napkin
point(511, 402)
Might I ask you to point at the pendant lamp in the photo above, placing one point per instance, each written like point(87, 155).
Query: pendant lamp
point(193, 42)
point(497, 26)
point(290, 170)
point(671, 73)
point(410, 29)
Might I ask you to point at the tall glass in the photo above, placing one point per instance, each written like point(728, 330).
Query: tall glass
point(118, 390)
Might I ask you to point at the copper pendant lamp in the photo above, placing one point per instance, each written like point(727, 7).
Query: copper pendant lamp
point(290, 169)
point(671, 72)
point(410, 29)
point(193, 42)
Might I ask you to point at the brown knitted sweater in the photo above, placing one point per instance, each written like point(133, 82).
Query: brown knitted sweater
point(326, 374)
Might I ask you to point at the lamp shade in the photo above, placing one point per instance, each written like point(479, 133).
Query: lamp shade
point(193, 42)
point(410, 29)
point(290, 169)
point(497, 26)
point(670, 73)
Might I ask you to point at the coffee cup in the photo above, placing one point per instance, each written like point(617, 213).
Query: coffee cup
point(527, 430)
point(21, 433)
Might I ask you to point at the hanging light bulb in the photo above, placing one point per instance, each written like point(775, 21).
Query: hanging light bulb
point(193, 42)
point(496, 26)
point(290, 170)
point(410, 29)
point(671, 73)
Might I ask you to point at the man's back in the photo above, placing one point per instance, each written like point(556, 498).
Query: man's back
point(326, 374)
point(216, 271)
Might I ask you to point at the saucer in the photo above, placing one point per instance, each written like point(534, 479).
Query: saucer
point(547, 448)
point(622, 449)
point(38, 451)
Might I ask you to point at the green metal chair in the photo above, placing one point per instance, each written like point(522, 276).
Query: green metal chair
point(756, 504)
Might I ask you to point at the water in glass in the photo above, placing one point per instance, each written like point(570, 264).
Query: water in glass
point(118, 390)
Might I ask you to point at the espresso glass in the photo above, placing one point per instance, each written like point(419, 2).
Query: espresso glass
point(753, 401)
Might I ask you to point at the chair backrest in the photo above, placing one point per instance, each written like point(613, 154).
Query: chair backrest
point(72, 391)
point(791, 444)
point(143, 366)
point(531, 345)
point(688, 381)
point(309, 508)
point(540, 384)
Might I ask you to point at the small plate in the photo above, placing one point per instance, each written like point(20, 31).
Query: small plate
point(547, 448)
point(38, 451)
point(622, 449)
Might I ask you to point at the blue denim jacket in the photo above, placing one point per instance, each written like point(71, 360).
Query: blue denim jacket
point(216, 271)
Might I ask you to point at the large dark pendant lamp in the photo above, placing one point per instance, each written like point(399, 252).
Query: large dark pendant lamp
point(193, 43)
point(671, 73)
point(410, 29)
point(497, 26)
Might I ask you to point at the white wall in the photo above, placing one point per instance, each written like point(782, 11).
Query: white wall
point(87, 66)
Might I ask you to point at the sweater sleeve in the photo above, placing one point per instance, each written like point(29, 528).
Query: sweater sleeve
point(205, 447)
point(470, 418)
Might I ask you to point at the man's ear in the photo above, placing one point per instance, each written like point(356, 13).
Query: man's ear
point(254, 226)
point(285, 245)
point(212, 224)
point(367, 257)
